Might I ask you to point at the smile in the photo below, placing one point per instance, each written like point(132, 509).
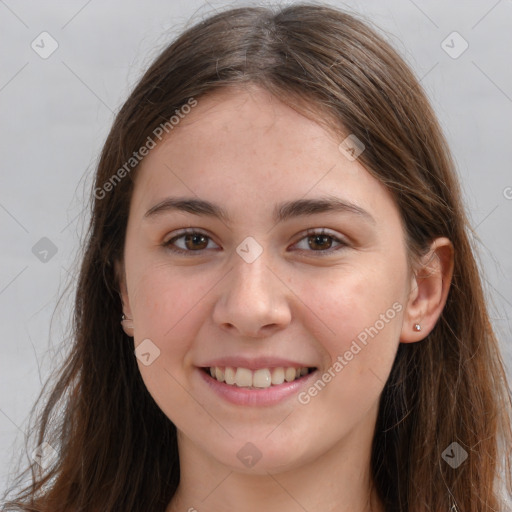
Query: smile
point(255, 381)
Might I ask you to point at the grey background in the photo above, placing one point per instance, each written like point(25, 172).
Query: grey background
point(55, 114)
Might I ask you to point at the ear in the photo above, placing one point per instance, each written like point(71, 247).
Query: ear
point(123, 290)
point(430, 285)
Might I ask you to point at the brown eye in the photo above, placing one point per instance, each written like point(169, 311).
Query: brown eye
point(190, 241)
point(320, 242)
point(195, 241)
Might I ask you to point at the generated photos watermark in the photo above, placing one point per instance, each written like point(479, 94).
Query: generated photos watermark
point(343, 360)
point(158, 133)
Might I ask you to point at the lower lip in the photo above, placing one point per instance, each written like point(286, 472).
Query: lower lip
point(265, 396)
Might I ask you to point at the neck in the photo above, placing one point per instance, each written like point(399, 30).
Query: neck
point(338, 480)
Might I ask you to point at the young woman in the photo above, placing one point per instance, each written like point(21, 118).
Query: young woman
point(278, 227)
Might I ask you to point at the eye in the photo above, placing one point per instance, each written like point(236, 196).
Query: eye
point(193, 241)
point(320, 239)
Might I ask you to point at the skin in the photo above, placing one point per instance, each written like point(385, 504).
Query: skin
point(246, 151)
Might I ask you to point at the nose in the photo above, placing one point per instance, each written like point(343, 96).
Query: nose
point(254, 301)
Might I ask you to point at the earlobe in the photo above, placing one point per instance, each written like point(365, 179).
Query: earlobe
point(123, 291)
point(127, 324)
point(429, 291)
point(127, 318)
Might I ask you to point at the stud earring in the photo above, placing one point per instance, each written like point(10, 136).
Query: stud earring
point(127, 324)
point(417, 327)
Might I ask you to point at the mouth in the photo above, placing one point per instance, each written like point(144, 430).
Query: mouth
point(262, 378)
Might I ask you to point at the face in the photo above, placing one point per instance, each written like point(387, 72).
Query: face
point(271, 286)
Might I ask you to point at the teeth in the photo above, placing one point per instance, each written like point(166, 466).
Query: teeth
point(219, 374)
point(290, 374)
point(243, 377)
point(229, 375)
point(277, 376)
point(262, 378)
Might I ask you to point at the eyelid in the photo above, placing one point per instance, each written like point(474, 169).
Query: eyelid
point(187, 231)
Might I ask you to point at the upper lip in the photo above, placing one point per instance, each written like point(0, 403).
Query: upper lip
point(255, 363)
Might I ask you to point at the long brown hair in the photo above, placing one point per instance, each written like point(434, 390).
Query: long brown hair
point(117, 451)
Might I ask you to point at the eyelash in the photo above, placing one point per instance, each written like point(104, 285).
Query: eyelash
point(309, 233)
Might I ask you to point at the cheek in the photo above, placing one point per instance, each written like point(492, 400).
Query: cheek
point(361, 350)
point(165, 296)
point(356, 317)
point(168, 311)
point(345, 303)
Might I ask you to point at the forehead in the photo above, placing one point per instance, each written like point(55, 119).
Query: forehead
point(248, 148)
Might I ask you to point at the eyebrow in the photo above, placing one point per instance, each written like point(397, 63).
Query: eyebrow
point(282, 211)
